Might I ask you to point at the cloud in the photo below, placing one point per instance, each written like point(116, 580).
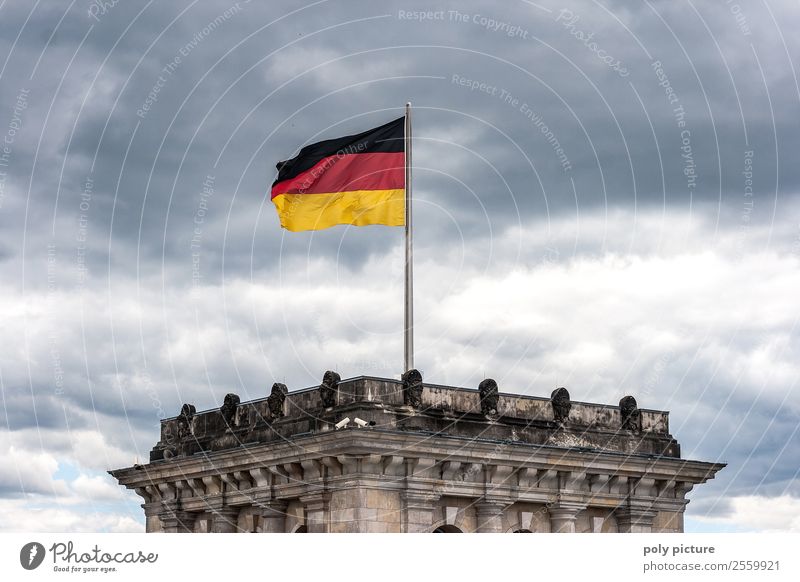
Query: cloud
point(759, 514)
point(97, 488)
point(46, 518)
point(66, 465)
point(26, 473)
point(45, 486)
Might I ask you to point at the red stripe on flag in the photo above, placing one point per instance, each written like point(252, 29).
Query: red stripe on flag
point(377, 171)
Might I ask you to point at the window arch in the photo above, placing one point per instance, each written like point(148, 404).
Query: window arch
point(447, 529)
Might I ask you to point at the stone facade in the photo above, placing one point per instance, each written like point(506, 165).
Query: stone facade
point(415, 457)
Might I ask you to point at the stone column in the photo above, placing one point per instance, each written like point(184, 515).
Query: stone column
point(490, 516)
point(316, 509)
point(418, 511)
point(563, 516)
point(152, 521)
point(273, 516)
point(225, 520)
point(634, 519)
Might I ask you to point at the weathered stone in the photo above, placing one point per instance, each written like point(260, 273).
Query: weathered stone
point(228, 410)
point(668, 522)
point(174, 521)
point(411, 474)
point(561, 404)
point(490, 395)
point(490, 516)
point(273, 516)
point(328, 388)
point(633, 519)
point(563, 516)
point(631, 416)
point(412, 388)
point(225, 520)
point(184, 421)
point(276, 400)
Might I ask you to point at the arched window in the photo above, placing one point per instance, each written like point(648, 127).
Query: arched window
point(522, 531)
point(447, 529)
point(301, 529)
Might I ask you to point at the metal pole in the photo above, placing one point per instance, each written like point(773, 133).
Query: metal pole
point(409, 289)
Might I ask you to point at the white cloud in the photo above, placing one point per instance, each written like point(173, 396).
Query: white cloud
point(50, 518)
point(88, 449)
point(626, 320)
point(760, 514)
point(97, 488)
point(92, 450)
point(27, 471)
point(45, 470)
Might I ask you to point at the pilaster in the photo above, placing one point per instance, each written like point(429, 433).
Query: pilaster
point(419, 509)
point(152, 521)
point(225, 520)
point(273, 515)
point(316, 509)
point(635, 519)
point(563, 516)
point(490, 516)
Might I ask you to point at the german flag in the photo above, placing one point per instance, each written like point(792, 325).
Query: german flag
point(358, 180)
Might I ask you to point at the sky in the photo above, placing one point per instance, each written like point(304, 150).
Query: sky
point(606, 197)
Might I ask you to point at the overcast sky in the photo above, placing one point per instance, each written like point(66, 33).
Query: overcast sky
point(607, 197)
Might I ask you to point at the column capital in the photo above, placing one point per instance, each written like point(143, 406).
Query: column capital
point(178, 521)
point(318, 498)
point(633, 519)
point(566, 506)
point(563, 515)
point(420, 497)
point(152, 508)
point(272, 506)
point(490, 515)
point(490, 503)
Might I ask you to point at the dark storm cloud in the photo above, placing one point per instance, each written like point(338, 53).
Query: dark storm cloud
point(543, 77)
point(46, 412)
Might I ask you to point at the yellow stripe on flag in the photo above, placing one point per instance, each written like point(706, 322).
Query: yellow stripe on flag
point(299, 212)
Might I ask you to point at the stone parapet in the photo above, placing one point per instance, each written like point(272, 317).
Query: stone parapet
point(452, 411)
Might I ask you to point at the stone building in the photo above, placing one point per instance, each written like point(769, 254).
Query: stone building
point(378, 455)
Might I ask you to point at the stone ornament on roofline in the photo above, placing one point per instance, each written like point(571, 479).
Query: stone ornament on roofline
point(329, 388)
point(561, 403)
point(490, 396)
point(631, 416)
point(412, 388)
point(228, 410)
point(177, 441)
point(276, 399)
point(184, 421)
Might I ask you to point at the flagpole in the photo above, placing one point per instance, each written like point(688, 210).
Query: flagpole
point(409, 275)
